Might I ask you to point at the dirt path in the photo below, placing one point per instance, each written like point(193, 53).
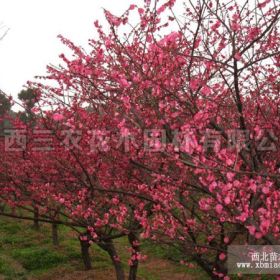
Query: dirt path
point(79, 275)
point(158, 267)
point(162, 268)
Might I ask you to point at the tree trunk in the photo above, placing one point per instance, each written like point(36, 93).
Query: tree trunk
point(55, 240)
point(36, 225)
point(109, 247)
point(133, 271)
point(206, 266)
point(85, 254)
point(133, 240)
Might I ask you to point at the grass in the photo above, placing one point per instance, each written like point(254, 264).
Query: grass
point(29, 254)
point(25, 253)
point(38, 258)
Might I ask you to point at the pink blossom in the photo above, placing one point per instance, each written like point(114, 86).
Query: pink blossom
point(219, 208)
point(117, 258)
point(230, 176)
point(57, 117)
point(258, 235)
point(263, 4)
point(235, 26)
point(253, 33)
point(226, 240)
point(161, 9)
point(237, 56)
point(112, 19)
point(194, 84)
point(215, 26)
point(197, 42)
point(213, 186)
point(171, 37)
point(229, 161)
point(227, 200)
point(124, 83)
point(264, 227)
point(265, 190)
point(204, 204)
point(132, 7)
point(191, 265)
point(222, 256)
point(206, 90)
point(222, 45)
point(243, 217)
point(210, 238)
point(253, 186)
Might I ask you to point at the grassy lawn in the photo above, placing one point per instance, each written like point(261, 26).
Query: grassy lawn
point(29, 254)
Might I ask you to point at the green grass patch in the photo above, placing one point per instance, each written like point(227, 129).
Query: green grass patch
point(38, 258)
point(26, 253)
point(4, 267)
point(10, 271)
point(10, 228)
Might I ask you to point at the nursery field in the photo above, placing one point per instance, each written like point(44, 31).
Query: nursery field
point(26, 253)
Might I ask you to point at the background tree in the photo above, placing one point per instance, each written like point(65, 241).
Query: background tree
point(5, 113)
point(5, 104)
point(28, 99)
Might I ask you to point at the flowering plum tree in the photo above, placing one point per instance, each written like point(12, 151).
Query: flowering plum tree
point(170, 129)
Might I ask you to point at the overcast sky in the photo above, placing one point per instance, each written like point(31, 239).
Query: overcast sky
point(32, 43)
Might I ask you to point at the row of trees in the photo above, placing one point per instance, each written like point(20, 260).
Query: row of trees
point(171, 138)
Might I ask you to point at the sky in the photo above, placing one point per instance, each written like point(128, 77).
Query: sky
point(32, 42)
